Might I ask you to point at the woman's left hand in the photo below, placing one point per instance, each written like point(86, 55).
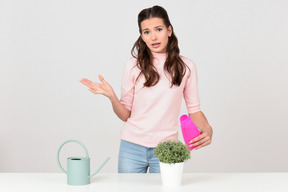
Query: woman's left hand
point(203, 139)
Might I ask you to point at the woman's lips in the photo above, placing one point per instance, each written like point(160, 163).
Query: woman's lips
point(155, 45)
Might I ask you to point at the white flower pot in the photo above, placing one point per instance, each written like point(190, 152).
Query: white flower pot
point(171, 174)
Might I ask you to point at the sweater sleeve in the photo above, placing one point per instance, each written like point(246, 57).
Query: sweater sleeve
point(128, 84)
point(191, 94)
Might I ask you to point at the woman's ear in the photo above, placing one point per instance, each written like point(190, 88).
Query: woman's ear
point(142, 38)
point(170, 31)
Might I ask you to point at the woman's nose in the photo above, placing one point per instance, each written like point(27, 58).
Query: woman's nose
point(153, 36)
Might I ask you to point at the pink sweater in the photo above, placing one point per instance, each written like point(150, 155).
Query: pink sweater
point(155, 110)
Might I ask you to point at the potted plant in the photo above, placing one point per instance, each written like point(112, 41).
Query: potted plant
point(172, 155)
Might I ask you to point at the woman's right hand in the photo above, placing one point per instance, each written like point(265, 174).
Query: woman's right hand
point(98, 88)
point(107, 90)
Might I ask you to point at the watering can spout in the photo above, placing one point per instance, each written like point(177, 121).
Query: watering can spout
point(100, 167)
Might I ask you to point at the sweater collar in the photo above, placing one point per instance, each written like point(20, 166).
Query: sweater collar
point(160, 56)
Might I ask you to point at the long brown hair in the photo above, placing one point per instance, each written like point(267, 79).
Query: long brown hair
point(174, 65)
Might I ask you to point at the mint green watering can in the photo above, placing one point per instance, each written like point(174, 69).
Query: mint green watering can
point(78, 168)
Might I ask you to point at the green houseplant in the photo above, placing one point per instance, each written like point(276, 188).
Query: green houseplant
point(172, 152)
point(172, 155)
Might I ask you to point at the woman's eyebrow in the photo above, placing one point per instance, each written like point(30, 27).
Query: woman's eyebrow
point(147, 29)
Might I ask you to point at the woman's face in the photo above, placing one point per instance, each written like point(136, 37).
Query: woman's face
point(155, 34)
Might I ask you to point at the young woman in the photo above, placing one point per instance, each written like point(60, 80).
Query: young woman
point(154, 82)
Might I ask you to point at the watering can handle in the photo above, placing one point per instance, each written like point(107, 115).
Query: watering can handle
point(86, 151)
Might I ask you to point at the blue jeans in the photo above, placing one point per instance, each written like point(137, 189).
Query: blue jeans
point(135, 158)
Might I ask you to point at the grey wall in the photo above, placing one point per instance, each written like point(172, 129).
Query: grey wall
point(46, 47)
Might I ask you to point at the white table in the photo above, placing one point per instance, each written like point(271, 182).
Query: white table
point(197, 182)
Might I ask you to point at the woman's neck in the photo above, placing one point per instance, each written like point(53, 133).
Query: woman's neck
point(160, 55)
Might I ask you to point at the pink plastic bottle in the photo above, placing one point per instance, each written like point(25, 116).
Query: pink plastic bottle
point(189, 130)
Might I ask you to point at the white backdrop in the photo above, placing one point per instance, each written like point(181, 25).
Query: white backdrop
point(240, 49)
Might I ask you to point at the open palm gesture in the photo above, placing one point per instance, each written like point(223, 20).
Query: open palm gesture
point(103, 88)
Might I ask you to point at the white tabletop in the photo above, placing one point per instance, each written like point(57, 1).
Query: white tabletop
point(197, 182)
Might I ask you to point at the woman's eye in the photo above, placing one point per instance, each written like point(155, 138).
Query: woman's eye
point(159, 29)
point(146, 32)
